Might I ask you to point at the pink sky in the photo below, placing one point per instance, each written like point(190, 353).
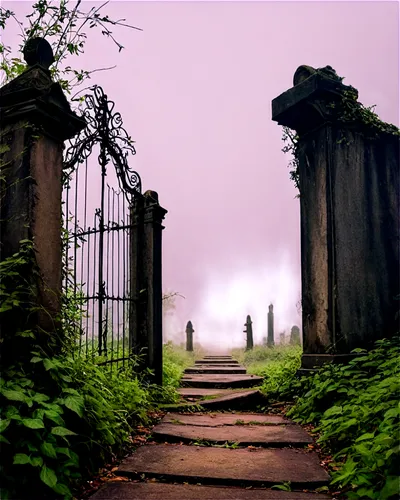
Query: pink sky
point(195, 91)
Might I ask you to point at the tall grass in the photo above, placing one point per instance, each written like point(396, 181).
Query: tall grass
point(277, 365)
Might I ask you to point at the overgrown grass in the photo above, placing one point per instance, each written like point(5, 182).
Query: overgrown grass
point(356, 411)
point(176, 360)
point(61, 419)
point(278, 365)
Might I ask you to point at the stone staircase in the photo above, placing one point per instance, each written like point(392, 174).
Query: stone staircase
point(232, 456)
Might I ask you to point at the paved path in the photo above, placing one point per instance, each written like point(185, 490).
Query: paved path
point(227, 456)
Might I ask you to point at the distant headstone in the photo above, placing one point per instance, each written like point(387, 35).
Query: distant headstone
point(265, 341)
point(295, 335)
point(270, 340)
point(249, 333)
point(282, 339)
point(189, 336)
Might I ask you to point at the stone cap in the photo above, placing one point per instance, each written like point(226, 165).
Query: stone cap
point(35, 98)
point(306, 105)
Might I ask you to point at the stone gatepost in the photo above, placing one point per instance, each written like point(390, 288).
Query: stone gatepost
point(145, 321)
point(349, 179)
point(249, 333)
point(36, 119)
point(189, 336)
point(295, 335)
point(271, 340)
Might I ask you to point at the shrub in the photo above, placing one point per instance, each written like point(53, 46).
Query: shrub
point(356, 409)
point(61, 419)
point(278, 365)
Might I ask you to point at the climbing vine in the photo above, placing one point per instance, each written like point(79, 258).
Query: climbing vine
point(347, 111)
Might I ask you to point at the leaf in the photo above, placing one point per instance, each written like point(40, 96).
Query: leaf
point(54, 416)
point(37, 461)
point(4, 423)
point(14, 395)
point(367, 435)
point(21, 459)
point(48, 450)
point(4, 440)
point(391, 488)
point(62, 431)
point(48, 476)
point(62, 489)
point(33, 423)
point(49, 364)
point(75, 404)
point(36, 359)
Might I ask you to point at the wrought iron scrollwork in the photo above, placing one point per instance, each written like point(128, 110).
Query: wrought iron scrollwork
point(104, 127)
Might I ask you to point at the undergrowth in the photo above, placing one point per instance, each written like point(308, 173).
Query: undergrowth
point(356, 411)
point(278, 365)
point(62, 416)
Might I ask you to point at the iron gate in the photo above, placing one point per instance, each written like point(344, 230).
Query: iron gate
point(98, 195)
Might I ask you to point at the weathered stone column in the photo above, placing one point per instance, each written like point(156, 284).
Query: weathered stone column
point(249, 333)
point(189, 336)
point(348, 162)
point(145, 328)
point(36, 119)
point(295, 335)
point(271, 339)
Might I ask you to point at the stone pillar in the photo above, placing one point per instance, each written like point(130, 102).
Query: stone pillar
point(36, 119)
point(295, 335)
point(145, 324)
point(249, 333)
point(348, 163)
point(189, 336)
point(271, 340)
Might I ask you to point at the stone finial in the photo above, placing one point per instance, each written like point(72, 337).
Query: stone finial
point(302, 73)
point(271, 308)
point(152, 195)
point(38, 51)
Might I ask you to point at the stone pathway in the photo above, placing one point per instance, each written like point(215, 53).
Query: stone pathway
point(228, 456)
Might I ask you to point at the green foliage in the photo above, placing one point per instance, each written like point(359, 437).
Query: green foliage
point(176, 360)
point(62, 418)
point(357, 412)
point(278, 365)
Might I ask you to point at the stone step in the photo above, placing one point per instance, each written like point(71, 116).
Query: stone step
point(210, 465)
point(225, 419)
point(216, 369)
point(163, 491)
point(196, 392)
point(235, 400)
point(216, 362)
point(219, 356)
point(242, 435)
point(220, 381)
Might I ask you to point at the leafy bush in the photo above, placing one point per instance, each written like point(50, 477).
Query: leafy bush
point(176, 359)
point(356, 409)
point(61, 419)
point(278, 365)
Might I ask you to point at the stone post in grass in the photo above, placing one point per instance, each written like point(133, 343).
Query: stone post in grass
point(249, 333)
point(189, 336)
point(271, 340)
